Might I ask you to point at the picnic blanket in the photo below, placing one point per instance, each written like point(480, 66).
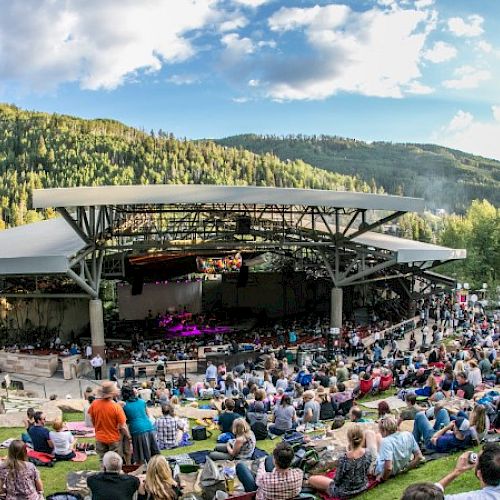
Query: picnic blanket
point(200, 457)
point(393, 401)
point(372, 482)
point(79, 429)
point(45, 458)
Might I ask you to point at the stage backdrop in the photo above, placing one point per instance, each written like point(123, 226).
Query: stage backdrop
point(159, 298)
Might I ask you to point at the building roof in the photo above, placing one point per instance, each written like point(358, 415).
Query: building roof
point(409, 250)
point(204, 194)
point(44, 247)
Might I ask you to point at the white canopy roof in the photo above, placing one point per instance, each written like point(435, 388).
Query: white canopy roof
point(409, 250)
point(44, 247)
point(200, 194)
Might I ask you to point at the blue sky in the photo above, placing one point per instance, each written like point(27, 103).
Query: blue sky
point(396, 70)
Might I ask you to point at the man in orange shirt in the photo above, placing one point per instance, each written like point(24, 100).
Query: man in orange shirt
point(109, 420)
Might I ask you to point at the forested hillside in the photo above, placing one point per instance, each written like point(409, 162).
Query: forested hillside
point(447, 178)
point(43, 150)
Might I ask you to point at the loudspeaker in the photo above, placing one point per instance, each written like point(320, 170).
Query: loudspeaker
point(242, 277)
point(243, 225)
point(137, 284)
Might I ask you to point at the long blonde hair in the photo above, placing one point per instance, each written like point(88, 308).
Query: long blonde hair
point(241, 427)
point(159, 482)
point(478, 418)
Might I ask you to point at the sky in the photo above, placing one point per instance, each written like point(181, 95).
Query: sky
point(393, 70)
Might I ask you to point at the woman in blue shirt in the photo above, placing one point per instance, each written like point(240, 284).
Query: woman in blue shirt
point(140, 426)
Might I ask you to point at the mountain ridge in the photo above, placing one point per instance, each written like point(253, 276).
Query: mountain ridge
point(446, 178)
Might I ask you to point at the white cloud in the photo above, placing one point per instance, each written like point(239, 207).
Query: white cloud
point(460, 121)
point(328, 17)
point(467, 77)
point(98, 44)
point(423, 4)
point(240, 100)
point(375, 52)
point(496, 112)
point(183, 79)
point(416, 87)
point(252, 3)
point(485, 46)
point(237, 46)
point(440, 52)
point(466, 133)
point(469, 28)
point(233, 24)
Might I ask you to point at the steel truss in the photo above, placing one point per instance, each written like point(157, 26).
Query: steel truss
point(324, 238)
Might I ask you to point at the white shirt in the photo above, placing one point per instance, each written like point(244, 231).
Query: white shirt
point(96, 362)
point(62, 442)
point(487, 493)
point(88, 351)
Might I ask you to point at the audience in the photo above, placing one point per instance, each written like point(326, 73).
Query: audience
point(241, 447)
point(63, 441)
point(19, 478)
point(159, 483)
point(109, 420)
point(351, 476)
point(40, 435)
point(140, 426)
point(279, 481)
point(112, 482)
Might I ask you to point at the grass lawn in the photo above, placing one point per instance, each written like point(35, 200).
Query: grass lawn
point(54, 478)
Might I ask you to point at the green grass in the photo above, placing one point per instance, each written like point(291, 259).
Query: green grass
point(54, 479)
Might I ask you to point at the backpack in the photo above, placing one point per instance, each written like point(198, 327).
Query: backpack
point(260, 431)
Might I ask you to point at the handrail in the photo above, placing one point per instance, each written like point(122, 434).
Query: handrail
point(393, 327)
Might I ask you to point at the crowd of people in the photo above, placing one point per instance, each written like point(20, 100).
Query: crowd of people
point(446, 372)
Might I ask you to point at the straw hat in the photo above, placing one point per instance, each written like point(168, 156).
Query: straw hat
point(108, 390)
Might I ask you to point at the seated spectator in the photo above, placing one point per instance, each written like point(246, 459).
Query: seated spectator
point(159, 483)
point(284, 417)
point(112, 483)
point(279, 483)
point(168, 432)
point(63, 441)
point(342, 395)
point(474, 376)
point(356, 415)
point(39, 434)
point(383, 410)
point(228, 416)
point(454, 436)
point(242, 447)
point(411, 409)
point(395, 450)
point(487, 470)
point(258, 421)
point(479, 423)
point(342, 373)
point(351, 476)
point(463, 388)
point(145, 392)
point(429, 388)
point(311, 409)
point(19, 478)
point(423, 491)
point(326, 408)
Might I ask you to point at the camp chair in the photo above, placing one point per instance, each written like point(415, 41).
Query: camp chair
point(365, 387)
point(385, 382)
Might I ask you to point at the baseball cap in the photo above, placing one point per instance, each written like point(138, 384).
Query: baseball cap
point(462, 424)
